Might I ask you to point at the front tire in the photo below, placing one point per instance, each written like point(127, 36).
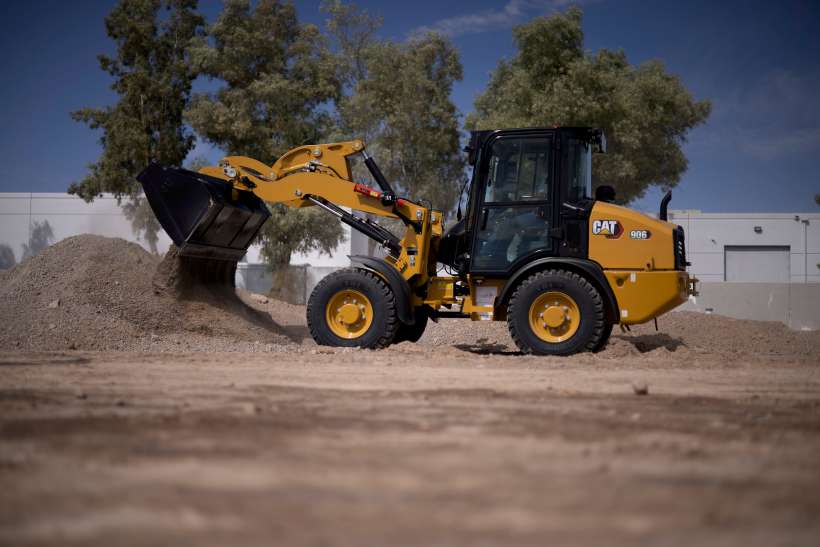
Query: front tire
point(412, 333)
point(556, 312)
point(352, 308)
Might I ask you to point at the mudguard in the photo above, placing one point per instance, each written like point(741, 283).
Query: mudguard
point(397, 283)
point(589, 269)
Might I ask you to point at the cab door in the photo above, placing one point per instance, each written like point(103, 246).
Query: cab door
point(516, 209)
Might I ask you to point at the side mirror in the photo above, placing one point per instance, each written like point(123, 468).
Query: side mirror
point(605, 193)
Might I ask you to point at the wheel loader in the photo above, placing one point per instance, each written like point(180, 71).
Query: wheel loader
point(535, 248)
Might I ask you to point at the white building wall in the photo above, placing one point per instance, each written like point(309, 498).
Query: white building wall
point(69, 215)
point(66, 216)
point(708, 235)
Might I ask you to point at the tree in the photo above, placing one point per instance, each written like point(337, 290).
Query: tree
point(278, 77)
point(152, 78)
point(197, 163)
point(143, 220)
point(41, 237)
point(644, 111)
point(397, 97)
point(7, 259)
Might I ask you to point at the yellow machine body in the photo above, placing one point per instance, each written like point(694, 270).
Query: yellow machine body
point(634, 254)
point(634, 250)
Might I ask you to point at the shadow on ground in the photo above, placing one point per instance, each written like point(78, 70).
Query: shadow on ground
point(483, 346)
point(645, 343)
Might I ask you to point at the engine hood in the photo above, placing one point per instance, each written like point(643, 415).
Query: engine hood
point(620, 238)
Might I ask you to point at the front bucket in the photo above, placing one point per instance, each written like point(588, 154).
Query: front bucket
point(199, 213)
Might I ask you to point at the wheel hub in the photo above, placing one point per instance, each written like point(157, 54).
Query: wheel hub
point(554, 317)
point(349, 313)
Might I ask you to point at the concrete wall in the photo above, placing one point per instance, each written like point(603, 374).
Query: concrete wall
point(65, 216)
point(796, 305)
point(69, 215)
point(253, 277)
point(300, 280)
point(708, 235)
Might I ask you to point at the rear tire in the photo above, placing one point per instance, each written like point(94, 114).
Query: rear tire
point(601, 345)
point(352, 308)
point(556, 312)
point(412, 333)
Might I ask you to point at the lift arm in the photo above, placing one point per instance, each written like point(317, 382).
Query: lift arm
point(320, 175)
point(319, 171)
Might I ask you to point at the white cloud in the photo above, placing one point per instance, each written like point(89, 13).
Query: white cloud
point(512, 13)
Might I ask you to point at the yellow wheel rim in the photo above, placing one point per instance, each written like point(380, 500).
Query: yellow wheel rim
point(349, 313)
point(554, 317)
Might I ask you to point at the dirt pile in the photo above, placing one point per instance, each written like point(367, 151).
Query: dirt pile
point(97, 293)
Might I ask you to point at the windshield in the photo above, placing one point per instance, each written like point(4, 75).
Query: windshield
point(579, 170)
point(519, 170)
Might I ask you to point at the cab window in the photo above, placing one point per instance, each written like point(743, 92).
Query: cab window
point(519, 171)
point(578, 170)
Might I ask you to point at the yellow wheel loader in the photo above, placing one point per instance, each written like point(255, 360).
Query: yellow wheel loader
point(535, 248)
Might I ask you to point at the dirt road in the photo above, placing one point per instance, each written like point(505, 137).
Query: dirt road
point(219, 422)
point(408, 446)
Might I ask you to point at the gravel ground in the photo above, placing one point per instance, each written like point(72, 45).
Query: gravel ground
point(214, 419)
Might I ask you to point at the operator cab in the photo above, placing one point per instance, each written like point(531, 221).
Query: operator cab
point(530, 196)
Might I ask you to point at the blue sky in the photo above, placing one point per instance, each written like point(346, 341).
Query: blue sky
point(758, 62)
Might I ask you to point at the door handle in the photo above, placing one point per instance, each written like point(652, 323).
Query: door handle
point(484, 216)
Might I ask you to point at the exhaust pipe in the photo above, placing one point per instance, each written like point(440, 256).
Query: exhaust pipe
point(665, 205)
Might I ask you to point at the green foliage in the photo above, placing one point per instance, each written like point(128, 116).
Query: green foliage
point(278, 75)
point(397, 97)
point(152, 78)
point(644, 111)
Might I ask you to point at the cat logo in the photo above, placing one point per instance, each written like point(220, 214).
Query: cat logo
point(612, 229)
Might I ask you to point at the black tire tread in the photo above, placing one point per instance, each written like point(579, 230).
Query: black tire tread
point(599, 327)
point(391, 323)
point(604, 338)
point(414, 332)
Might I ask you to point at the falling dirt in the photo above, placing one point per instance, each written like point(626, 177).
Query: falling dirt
point(211, 418)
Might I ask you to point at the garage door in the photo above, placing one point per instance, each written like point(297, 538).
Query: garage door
point(757, 264)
